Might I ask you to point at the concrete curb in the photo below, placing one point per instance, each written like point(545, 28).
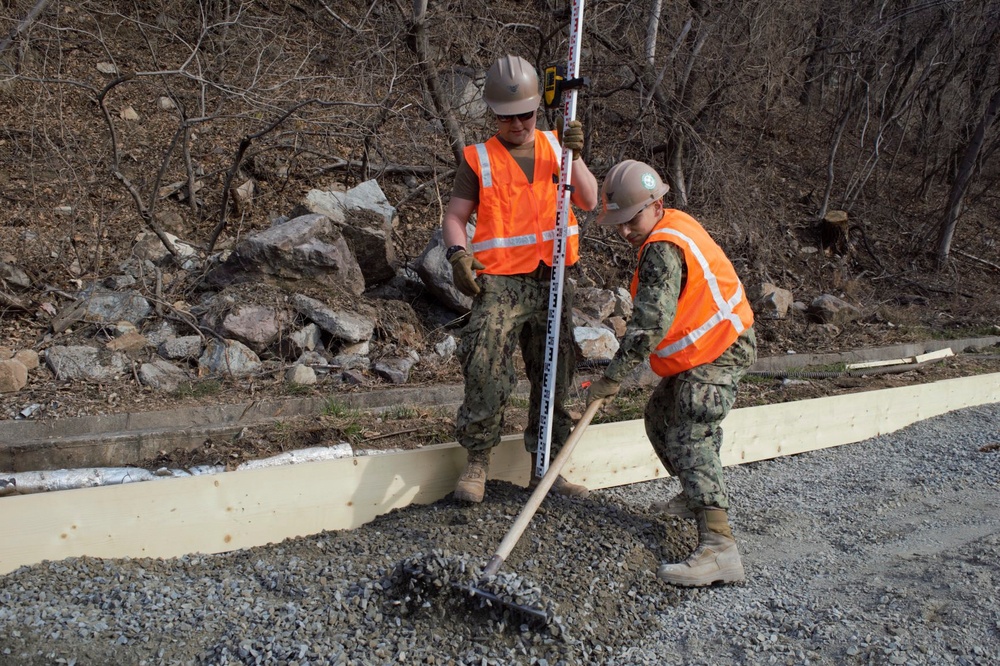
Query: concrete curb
point(124, 439)
point(793, 361)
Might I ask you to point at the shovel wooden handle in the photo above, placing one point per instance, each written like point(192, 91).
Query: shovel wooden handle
point(555, 467)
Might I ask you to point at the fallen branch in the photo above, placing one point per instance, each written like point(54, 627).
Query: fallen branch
point(12, 302)
point(399, 432)
point(977, 259)
point(338, 19)
point(28, 20)
point(417, 190)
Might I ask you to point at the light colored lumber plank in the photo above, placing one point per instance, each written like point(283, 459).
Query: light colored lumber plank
point(931, 356)
point(876, 364)
point(618, 454)
point(218, 513)
point(222, 512)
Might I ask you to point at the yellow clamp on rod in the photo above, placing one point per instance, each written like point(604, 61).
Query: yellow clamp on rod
point(556, 83)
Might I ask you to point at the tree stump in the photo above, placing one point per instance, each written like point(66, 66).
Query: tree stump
point(833, 233)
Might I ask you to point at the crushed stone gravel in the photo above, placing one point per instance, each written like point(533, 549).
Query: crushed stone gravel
point(881, 552)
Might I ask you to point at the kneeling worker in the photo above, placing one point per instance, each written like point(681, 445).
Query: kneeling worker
point(692, 318)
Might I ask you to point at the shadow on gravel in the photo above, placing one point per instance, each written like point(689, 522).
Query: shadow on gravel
point(590, 563)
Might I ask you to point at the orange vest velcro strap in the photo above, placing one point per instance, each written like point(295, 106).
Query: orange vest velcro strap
point(712, 310)
point(515, 219)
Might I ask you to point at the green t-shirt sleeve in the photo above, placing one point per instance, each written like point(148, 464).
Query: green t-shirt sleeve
point(661, 276)
point(466, 183)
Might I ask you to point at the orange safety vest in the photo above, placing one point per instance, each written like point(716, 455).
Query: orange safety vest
point(516, 220)
point(712, 309)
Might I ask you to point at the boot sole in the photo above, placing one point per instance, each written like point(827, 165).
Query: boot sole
point(468, 497)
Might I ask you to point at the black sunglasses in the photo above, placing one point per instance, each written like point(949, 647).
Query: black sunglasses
point(523, 117)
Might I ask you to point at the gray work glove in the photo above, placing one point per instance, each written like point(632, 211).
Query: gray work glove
point(572, 138)
point(603, 389)
point(462, 265)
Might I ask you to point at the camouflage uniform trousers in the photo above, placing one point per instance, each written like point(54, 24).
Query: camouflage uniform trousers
point(683, 418)
point(512, 311)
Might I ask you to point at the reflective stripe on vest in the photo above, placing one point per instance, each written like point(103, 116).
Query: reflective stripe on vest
point(486, 177)
point(515, 241)
point(554, 145)
point(515, 225)
point(707, 320)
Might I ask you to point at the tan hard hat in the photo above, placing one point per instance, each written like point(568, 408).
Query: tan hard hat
point(629, 187)
point(511, 86)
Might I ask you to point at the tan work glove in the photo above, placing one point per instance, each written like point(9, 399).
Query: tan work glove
point(572, 138)
point(604, 390)
point(462, 265)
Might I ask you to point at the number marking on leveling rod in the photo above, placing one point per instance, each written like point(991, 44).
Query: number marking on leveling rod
point(558, 256)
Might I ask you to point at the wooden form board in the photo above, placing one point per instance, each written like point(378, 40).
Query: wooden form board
point(919, 358)
point(234, 510)
point(617, 454)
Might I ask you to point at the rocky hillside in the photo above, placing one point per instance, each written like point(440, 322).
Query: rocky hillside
point(159, 166)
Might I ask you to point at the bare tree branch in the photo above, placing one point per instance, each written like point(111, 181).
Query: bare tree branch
point(456, 138)
point(966, 168)
point(23, 25)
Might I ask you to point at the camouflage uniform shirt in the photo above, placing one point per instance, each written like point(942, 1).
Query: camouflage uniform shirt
point(661, 278)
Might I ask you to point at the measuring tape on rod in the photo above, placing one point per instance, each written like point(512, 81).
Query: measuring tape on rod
point(554, 80)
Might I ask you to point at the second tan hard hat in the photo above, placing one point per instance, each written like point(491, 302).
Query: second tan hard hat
point(629, 187)
point(511, 86)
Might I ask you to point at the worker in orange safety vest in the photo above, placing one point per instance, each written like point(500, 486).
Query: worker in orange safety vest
point(692, 319)
point(510, 181)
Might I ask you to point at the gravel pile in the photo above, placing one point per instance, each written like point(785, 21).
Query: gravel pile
point(883, 552)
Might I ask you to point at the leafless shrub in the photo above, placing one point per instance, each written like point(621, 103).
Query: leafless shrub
point(195, 99)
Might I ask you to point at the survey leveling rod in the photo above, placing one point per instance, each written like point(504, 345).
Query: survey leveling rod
point(554, 81)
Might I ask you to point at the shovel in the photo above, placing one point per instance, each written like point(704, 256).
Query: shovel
point(523, 518)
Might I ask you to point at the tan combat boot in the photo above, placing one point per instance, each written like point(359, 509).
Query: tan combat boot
point(675, 506)
point(715, 560)
point(560, 486)
point(471, 485)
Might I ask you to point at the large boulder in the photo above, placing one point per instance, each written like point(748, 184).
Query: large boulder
point(161, 375)
point(100, 306)
point(13, 376)
point(344, 326)
point(598, 303)
point(463, 86)
point(366, 219)
point(828, 309)
point(256, 326)
point(228, 358)
point(81, 362)
point(771, 301)
point(595, 343)
point(306, 250)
